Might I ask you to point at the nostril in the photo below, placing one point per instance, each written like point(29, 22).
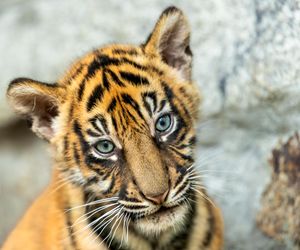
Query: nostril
point(158, 198)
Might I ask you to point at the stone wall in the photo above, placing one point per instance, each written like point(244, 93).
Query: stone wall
point(246, 57)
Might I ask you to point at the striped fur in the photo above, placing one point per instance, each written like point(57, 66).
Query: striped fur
point(143, 194)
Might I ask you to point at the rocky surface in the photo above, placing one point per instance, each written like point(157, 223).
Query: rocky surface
point(246, 60)
point(279, 216)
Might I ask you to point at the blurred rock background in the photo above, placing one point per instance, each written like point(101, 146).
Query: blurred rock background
point(246, 60)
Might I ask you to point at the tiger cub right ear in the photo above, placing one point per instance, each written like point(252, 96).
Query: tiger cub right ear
point(170, 39)
point(37, 101)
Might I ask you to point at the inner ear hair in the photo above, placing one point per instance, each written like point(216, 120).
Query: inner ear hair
point(37, 101)
point(170, 38)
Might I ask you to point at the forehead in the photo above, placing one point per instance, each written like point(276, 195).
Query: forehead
point(117, 81)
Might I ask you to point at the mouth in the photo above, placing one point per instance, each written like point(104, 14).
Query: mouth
point(163, 211)
point(161, 219)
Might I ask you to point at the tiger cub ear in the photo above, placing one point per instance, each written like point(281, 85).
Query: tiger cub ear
point(37, 101)
point(170, 38)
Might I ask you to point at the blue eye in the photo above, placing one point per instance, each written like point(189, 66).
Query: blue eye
point(105, 147)
point(163, 123)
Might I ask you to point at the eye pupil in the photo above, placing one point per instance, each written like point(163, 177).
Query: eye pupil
point(105, 147)
point(163, 123)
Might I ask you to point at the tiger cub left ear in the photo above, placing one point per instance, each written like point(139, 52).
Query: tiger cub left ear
point(170, 38)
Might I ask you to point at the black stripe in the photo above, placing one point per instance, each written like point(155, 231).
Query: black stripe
point(183, 156)
point(181, 188)
point(76, 73)
point(182, 171)
point(211, 227)
point(102, 121)
point(122, 115)
point(129, 100)
point(151, 95)
point(66, 143)
point(134, 79)
point(92, 133)
point(66, 148)
point(80, 91)
point(114, 123)
point(90, 160)
point(96, 95)
point(131, 199)
point(71, 111)
point(70, 228)
point(136, 207)
point(28, 80)
point(111, 107)
point(115, 78)
point(162, 105)
point(91, 180)
point(100, 62)
point(183, 136)
point(76, 154)
point(131, 51)
point(141, 67)
point(78, 132)
point(103, 61)
point(105, 82)
point(122, 123)
point(123, 192)
point(168, 91)
point(191, 142)
point(132, 117)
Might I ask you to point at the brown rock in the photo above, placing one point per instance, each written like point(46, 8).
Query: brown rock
point(279, 216)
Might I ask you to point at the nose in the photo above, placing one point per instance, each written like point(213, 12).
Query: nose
point(158, 198)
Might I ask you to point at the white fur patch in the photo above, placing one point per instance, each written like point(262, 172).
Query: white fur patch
point(156, 224)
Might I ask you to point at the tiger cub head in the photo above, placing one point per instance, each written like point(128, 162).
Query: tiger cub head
point(121, 122)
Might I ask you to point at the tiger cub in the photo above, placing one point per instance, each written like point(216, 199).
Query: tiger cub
point(121, 125)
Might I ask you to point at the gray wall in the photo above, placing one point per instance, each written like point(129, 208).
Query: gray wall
point(246, 57)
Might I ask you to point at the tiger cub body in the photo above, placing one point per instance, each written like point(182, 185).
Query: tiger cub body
point(121, 125)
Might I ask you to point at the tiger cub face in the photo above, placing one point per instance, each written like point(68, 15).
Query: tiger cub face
point(121, 122)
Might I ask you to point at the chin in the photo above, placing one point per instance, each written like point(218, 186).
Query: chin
point(164, 219)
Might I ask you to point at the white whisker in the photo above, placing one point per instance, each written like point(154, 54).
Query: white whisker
point(115, 216)
point(94, 203)
point(95, 221)
point(91, 213)
point(203, 196)
point(117, 226)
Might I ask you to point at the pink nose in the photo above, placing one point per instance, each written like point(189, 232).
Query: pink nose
point(158, 199)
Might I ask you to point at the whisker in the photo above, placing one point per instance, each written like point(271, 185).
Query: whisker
point(193, 165)
point(95, 221)
point(198, 177)
point(186, 201)
point(212, 154)
point(203, 196)
point(61, 183)
point(115, 216)
point(94, 203)
point(127, 226)
point(103, 224)
point(117, 226)
point(94, 211)
point(123, 227)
